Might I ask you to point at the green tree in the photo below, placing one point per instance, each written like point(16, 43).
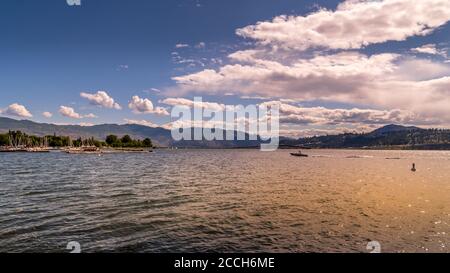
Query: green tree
point(4, 140)
point(78, 142)
point(111, 140)
point(126, 139)
point(147, 143)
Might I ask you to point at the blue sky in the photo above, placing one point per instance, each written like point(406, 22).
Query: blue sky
point(51, 52)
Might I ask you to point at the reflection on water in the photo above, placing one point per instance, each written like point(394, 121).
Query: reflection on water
point(226, 201)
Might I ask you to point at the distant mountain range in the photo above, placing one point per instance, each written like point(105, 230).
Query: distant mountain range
point(387, 137)
point(388, 129)
point(390, 136)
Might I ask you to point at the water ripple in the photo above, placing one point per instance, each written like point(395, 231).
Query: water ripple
point(225, 201)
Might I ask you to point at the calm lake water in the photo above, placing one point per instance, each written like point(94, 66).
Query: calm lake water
point(225, 201)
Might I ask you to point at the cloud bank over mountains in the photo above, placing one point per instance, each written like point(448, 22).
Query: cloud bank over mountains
point(320, 57)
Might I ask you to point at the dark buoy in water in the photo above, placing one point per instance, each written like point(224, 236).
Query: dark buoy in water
point(414, 167)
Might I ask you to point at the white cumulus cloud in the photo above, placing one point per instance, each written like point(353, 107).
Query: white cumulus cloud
point(430, 49)
point(70, 113)
point(145, 106)
point(318, 116)
point(213, 106)
point(354, 24)
point(16, 110)
point(47, 114)
point(102, 99)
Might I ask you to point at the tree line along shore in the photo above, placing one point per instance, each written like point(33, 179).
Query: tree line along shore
point(17, 139)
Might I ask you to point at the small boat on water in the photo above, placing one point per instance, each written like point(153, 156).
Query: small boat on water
point(299, 154)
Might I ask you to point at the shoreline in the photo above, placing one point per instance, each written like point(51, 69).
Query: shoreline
point(288, 148)
point(75, 151)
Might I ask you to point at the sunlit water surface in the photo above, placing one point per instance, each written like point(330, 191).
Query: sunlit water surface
point(225, 201)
